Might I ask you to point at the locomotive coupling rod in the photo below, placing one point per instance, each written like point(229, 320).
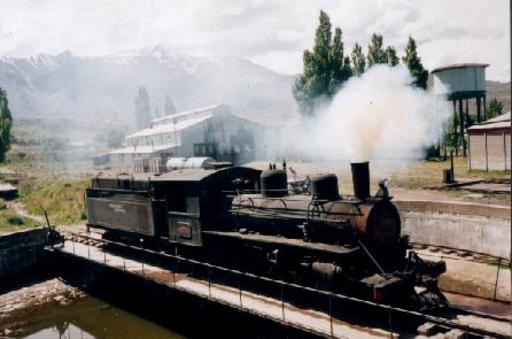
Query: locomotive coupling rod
point(371, 256)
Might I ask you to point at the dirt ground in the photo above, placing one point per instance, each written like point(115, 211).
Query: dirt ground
point(18, 303)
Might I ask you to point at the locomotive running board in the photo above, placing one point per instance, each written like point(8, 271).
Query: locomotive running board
point(280, 241)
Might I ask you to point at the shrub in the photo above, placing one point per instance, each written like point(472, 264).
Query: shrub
point(15, 220)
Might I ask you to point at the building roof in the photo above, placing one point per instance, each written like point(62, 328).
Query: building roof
point(143, 149)
point(499, 122)
point(460, 65)
point(170, 127)
point(189, 174)
point(174, 118)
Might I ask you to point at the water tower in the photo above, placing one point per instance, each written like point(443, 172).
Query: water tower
point(462, 83)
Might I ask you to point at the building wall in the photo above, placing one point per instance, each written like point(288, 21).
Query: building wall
point(489, 150)
point(477, 151)
point(496, 151)
point(223, 129)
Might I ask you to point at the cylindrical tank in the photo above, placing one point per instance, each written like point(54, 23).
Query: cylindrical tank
point(465, 79)
point(273, 183)
point(177, 163)
point(361, 179)
point(325, 187)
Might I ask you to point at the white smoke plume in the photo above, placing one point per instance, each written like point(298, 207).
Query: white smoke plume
point(378, 115)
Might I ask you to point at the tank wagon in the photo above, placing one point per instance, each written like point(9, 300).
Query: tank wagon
point(246, 219)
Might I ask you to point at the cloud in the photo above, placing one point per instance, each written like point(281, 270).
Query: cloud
point(259, 30)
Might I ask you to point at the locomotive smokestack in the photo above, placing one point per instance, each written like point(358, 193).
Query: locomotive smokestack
point(361, 179)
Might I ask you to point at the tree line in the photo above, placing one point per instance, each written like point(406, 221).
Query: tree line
point(326, 67)
point(5, 125)
point(143, 114)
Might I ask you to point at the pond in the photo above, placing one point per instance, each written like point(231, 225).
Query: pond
point(90, 318)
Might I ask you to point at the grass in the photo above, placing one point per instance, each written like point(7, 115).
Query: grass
point(11, 222)
point(63, 200)
point(424, 173)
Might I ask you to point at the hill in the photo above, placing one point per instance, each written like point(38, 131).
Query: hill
point(102, 89)
point(500, 91)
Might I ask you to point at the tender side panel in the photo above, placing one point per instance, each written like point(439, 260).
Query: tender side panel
point(185, 228)
point(122, 212)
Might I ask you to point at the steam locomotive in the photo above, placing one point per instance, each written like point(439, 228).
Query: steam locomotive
point(246, 219)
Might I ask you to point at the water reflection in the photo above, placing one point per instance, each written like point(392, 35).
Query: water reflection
point(68, 332)
point(90, 318)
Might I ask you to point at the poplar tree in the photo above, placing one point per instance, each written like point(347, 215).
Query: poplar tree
point(392, 59)
point(413, 63)
point(169, 106)
point(494, 108)
point(142, 108)
point(376, 52)
point(358, 60)
point(5, 125)
point(325, 67)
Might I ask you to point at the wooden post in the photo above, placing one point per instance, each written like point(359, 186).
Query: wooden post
point(455, 127)
point(486, 154)
point(452, 168)
point(504, 151)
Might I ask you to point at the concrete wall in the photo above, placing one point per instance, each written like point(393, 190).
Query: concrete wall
point(20, 251)
point(465, 226)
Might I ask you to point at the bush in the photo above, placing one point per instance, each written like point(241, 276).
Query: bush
point(15, 220)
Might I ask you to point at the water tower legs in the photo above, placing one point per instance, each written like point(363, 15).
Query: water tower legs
point(461, 128)
point(485, 109)
point(478, 109)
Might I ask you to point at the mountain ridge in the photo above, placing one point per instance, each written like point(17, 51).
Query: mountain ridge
point(66, 86)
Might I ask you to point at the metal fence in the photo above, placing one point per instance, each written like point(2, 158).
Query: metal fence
point(289, 295)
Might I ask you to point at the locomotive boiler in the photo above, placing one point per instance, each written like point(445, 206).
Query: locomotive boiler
point(246, 219)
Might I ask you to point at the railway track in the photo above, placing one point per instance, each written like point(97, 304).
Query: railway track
point(442, 252)
point(451, 321)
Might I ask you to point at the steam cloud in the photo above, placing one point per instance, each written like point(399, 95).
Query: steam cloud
point(377, 115)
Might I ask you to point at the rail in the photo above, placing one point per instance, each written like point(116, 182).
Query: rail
point(499, 261)
point(394, 314)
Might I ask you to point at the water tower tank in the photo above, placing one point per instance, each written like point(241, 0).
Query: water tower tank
point(459, 81)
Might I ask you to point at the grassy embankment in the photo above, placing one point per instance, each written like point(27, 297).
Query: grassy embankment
point(10, 221)
point(425, 173)
point(63, 200)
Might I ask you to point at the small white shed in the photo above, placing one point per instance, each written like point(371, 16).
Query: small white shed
point(489, 144)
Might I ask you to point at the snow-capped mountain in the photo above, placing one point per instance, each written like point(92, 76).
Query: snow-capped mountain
point(103, 88)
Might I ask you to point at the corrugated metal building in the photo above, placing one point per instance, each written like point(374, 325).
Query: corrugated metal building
point(211, 131)
point(489, 144)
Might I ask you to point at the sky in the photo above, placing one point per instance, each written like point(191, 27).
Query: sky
point(270, 33)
